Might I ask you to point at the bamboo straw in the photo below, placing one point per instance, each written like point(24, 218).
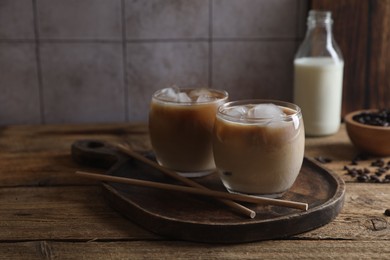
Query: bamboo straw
point(234, 205)
point(197, 191)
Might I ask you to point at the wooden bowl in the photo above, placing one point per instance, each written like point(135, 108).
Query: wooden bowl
point(371, 139)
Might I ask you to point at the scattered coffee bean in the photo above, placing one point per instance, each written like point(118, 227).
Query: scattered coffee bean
point(353, 173)
point(380, 171)
point(363, 178)
point(322, 159)
point(354, 162)
point(378, 163)
point(387, 212)
point(379, 174)
point(374, 178)
point(367, 174)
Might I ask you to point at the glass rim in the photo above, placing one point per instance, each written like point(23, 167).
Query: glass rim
point(224, 96)
point(320, 12)
point(286, 117)
point(320, 16)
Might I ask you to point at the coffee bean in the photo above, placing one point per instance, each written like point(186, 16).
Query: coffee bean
point(387, 212)
point(380, 171)
point(366, 170)
point(374, 178)
point(379, 174)
point(363, 178)
point(353, 173)
point(378, 163)
point(354, 162)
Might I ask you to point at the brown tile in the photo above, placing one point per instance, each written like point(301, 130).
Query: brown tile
point(254, 18)
point(167, 19)
point(254, 69)
point(79, 19)
point(156, 65)
point(19, 99)
point(16, 19)
point(82, 82)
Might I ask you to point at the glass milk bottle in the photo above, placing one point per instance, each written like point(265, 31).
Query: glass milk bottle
point(318, 76)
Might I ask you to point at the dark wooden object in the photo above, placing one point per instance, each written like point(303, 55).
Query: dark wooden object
point(362, 30)
point(188, 217)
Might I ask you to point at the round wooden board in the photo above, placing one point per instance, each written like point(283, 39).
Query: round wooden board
point(194, 218)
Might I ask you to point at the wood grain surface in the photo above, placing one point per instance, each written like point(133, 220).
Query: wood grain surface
point(285, 249)
point(47, 212)
point(362, 30)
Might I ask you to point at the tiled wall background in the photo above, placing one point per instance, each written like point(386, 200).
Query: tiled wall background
point(73, 61)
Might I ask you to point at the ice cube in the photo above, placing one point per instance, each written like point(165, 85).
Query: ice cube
point(200, 92)
point(201, 95)
point(203, 98)
point(269, 111)
point(237, 112)
point(183, 97)
point(170, 94)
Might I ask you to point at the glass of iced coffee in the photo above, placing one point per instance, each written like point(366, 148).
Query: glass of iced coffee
point(258, 146)
point(181, 121)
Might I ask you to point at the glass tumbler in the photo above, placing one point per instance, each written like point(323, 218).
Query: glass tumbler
point(258, 146)
point(181, 123)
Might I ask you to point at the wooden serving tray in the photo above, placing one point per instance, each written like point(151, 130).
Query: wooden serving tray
point(195, 218)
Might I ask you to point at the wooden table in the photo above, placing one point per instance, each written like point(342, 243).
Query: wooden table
point(47, 212)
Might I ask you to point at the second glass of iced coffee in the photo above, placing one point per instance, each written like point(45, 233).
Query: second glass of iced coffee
point(181, 122)
point(258, 146)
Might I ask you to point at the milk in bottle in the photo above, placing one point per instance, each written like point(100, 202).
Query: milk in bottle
point(318, 77)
